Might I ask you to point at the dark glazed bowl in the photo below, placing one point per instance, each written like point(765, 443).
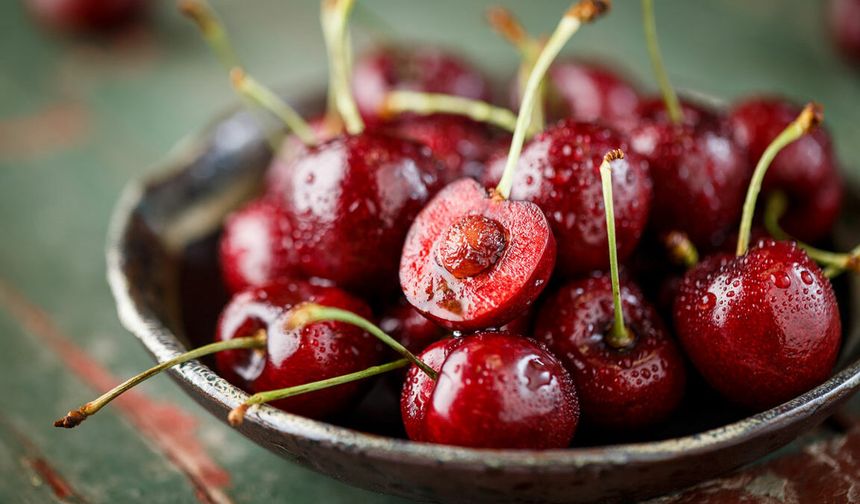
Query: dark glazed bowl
point(162, 223)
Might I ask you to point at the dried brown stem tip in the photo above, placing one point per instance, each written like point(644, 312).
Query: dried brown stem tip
point(506, 24)
point(196, 11)
point(237, 415)
point(810, 117)
point(72, 419)
point(589, 10)
point(237, 76)
point(613, 155)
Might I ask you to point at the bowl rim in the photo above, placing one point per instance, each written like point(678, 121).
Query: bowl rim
point(163, 345)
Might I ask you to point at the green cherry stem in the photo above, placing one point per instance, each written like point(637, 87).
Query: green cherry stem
point(649, 23)
point(582, 12)
point(810, 117)
point(435, 103)
point(681, 249)
point(263, 97)
point(212, 30)
point(835, 262)
point(75, 417)
point(619, 336)
point(308, 313)
point(237, 414)
point(335, 23)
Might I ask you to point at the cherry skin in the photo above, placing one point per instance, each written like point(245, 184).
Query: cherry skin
point(350, 202)
point(760, 328)
point(559, 172)
point(293, 357)
point(474, 261)
point(700, 175)
point(413, 330)
point(494, 390)
point(804, 170)
point(590, 92)
point(425, 69)
point(290, 149)
point(256, 246)
point(844, 17)
point(618, 388)
point(86, 15)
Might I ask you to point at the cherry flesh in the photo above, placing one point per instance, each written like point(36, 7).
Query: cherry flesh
point(590, 92)
point(293, 357)
point(474, 261)
point(350, 202)
point(760, 328)
point(804, 170)
point(494, 390)
point(86, 15)
point(700, 174)
point(426, 69)
point(559, 172)
point(844, 17)
point(618, 388)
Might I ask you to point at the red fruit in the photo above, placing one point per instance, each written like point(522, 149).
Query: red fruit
point(350, 202)
point(256, 246)
point(413, 330)
point(291, 148)
point(494, 390)
point(804, 170)
point(474, 261)
point(591, 92)
point(86, 15)
point(761, 328)
point(293, 357)
point(559, 172)
point(618, 388)
point(700, 175)
point(845, 26)
point(426, 69)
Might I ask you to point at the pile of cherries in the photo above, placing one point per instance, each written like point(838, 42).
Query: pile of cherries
point(502, 256)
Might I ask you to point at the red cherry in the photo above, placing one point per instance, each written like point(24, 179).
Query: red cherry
point(619, 388)
point(494, 390)
point(844, 17)
point(591, 92)
point(291, 148)
point(413, 330)
point(805, 170)
point(559, 172)
point(293, 357)
point(699, 173)
point(256, 246)
point(86, 15)
point(424, 68)
point(761, 328)
point(350, 202)
point(473, 261)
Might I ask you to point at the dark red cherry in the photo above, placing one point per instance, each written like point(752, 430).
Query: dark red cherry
point(844, 18)
point(413, 330)
point(700, 174)
point(804, 170)
point(85, 15)
point(350, 202)
point(256, 246)
point(590, 92)
point(474, 261)
point(559, 172)
point(618, 388)
point(494, 390)
point(761, 328)
point(291, 148)
point(423, 68)
point(293, 357)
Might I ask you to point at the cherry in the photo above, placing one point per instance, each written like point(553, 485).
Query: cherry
point(763, 326)
point(494, 390)
point(86, 15)
point(413, 330)
point(256, 246)
point(805, 170)
point(844, 18)
point(591, 92)
point(422, 68)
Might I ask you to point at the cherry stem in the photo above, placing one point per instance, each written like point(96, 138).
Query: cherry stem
point(619, 336)
point(263, 97)
point(836, 262)
point(582, 12)
point(649, 23)
point(681, 249)
point(308, 313)
point(237, 414)
point(503, 22)
point(75, 417)
point(810, 117)
point(335, 24)
point(212, 30)
point(436, 103)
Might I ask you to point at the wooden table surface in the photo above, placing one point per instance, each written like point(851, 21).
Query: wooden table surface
point(80, 117)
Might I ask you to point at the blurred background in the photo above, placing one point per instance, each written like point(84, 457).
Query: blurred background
point(82, 114)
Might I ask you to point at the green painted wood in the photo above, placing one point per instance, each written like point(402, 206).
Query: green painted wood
point(79, 117)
